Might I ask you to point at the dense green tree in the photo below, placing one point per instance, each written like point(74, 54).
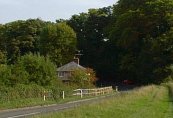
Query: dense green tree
point(2, 51)
point(92, 36)
point(21, 37)
point(58, 41)
point(131, 40)
point(142, 33)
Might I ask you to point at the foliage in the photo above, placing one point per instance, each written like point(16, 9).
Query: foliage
point(3, 58)
point(90, 29)
point(20, 91)
point(20, 37)
point(91, 75)
point(36, 36)
point(5, 74)
point(40, 69)
point(171, 67)
point(83, 78)
point(23, 91)
point(58, 41)
point(142, 33)
point(57, 87)
point(11, 75)
point(129, 40)
point(30, 68)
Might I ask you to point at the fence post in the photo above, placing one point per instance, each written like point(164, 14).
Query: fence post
point(44, 97)
point(63, 95)
point(116, 88)
point(81, 93)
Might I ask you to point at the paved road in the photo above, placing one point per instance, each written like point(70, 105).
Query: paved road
point(28, 112)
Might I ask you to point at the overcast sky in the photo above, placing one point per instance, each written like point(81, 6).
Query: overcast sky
point(49, 10)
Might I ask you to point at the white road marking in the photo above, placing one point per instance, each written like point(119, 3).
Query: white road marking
point(25, 115)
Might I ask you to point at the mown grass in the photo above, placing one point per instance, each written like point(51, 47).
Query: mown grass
point(146, 102)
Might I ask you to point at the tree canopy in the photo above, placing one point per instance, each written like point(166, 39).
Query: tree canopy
point(133, 39)
point(141, 32)
point(20, 37)
point(58, 41)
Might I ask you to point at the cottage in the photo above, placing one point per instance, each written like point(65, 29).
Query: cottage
point(64, 72)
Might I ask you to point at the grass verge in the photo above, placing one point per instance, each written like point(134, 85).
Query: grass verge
point(31, 102)
point(146, 102)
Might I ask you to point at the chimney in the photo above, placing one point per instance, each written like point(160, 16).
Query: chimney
point(76, 60)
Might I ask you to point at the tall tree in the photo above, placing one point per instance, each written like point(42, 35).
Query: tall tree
point(92, 36)
point(21, 37)
point(2, 47)
point(141, 33)
point(58, 41)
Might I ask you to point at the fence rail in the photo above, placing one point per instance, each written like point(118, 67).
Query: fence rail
point(94, 92)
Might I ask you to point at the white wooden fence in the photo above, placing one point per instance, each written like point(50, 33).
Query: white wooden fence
point(83, 92)
point(94, 92)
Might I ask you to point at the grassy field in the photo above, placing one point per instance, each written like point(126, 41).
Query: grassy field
point(146, 102)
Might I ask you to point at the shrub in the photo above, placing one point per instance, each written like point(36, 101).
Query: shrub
point(5, 74)
point(3, 58)
point(40, 69)
point(57, 87)
point(21, 91)
point(83, 78)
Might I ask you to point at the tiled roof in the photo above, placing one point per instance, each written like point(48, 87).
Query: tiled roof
point(70, 66)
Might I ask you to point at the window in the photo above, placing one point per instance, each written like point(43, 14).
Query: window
point(61, 74)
